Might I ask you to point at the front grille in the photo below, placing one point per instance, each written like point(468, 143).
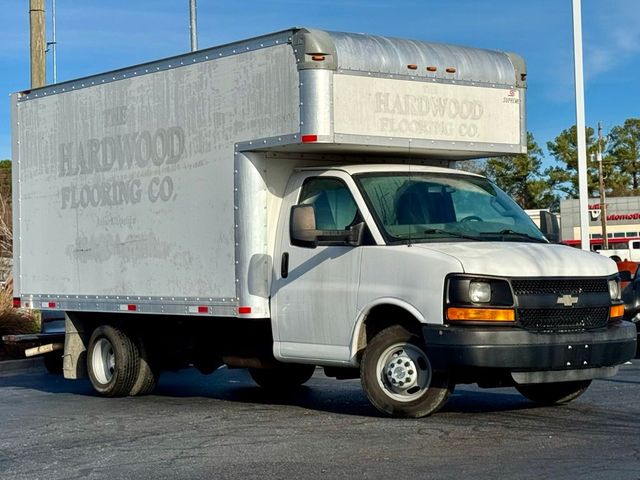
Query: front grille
point(570, 286)
point(556, 319)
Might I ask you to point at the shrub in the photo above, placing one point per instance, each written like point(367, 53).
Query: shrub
point(14, 321)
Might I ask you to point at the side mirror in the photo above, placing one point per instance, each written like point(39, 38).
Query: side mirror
point(303, 226)
point(549, 226)
point(303, 231)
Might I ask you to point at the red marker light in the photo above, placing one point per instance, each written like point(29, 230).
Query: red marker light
point(203, 309)
point(16, 302)
point(244, 310)
point(52, 304)
point(132, 308)
point(309, 138)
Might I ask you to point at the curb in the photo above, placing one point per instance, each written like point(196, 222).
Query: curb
point(17, 367)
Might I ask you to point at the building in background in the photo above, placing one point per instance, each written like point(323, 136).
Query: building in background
point(623, 220)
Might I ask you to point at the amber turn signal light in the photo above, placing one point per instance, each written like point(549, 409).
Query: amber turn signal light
point(616, 311)
point(480, 314)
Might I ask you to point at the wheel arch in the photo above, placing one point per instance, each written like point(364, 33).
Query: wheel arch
point(380, 314)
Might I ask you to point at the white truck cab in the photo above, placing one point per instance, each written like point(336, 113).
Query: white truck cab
point(287, 202)
point(441, 258)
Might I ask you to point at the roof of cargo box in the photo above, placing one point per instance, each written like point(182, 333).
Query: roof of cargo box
point(353, 52)
point(397, 56)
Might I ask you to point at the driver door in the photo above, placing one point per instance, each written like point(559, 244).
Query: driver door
point(315, 289)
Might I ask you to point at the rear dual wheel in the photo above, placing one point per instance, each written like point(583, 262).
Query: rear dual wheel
point(285, 376)
point(119, 365)
point(398, 377)
point(53, 362)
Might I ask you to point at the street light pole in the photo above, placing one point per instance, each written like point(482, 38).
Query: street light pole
point(580, 126)
point(603, 199)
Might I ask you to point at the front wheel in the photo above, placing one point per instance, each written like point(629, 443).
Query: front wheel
point(398, 378)
point(553, 393)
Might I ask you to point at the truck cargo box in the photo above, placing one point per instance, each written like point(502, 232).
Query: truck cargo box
point(146, 189)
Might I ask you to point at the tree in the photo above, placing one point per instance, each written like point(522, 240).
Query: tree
point(6, 224)
point(564, 149)
point(5, 179)
point(625, 150)
point(521, 177)
point(564, 178)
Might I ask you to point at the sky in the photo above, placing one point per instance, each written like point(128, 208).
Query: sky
point(95, 36)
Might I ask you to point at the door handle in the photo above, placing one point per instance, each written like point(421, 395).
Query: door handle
point(284, 265)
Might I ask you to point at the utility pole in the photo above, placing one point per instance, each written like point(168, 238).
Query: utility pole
point(53, 43)
point(38, 43)
point(193, 25)
point(603, 199)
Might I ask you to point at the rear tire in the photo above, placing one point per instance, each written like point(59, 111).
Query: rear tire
point(397, 376)
point(284, 377)
point(553, 393)
point(112, 361)
point(148, 373)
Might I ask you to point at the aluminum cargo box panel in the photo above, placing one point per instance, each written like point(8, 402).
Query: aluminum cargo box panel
point(377, 54)
point(454, 115)
point(126, 188)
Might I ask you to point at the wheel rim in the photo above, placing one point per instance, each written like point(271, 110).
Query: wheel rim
point(404, 372)
point(103, 361)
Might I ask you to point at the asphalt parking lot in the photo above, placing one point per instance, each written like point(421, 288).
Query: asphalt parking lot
point(223, 426)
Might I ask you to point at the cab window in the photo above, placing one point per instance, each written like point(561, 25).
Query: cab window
point(334, 206)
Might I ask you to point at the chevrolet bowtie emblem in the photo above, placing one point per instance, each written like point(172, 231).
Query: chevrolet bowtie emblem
point(567, 300)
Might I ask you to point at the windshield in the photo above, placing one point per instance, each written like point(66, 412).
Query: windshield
point(431, 207)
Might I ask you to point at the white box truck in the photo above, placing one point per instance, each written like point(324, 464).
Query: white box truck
point(286, 202)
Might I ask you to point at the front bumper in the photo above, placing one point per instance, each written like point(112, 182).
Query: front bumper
point(515, 349)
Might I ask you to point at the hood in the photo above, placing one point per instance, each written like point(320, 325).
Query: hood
point(514, 259)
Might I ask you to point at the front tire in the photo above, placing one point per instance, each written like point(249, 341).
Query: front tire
point(112, 361)
point(286, 376)
point(553, 393)
point(398, 378)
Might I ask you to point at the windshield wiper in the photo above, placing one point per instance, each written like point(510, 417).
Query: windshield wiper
point(451, 234)
point(508, 231)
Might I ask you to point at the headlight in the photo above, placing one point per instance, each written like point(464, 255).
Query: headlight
point(614, 289)
point(467, 290)
point(480, 292)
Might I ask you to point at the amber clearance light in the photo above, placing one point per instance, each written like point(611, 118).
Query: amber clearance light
point(616, 311)
point(480, 314)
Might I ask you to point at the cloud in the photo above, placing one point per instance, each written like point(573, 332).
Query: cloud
point(612, 37)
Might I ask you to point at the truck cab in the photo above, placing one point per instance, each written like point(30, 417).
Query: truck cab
point(422, 274)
